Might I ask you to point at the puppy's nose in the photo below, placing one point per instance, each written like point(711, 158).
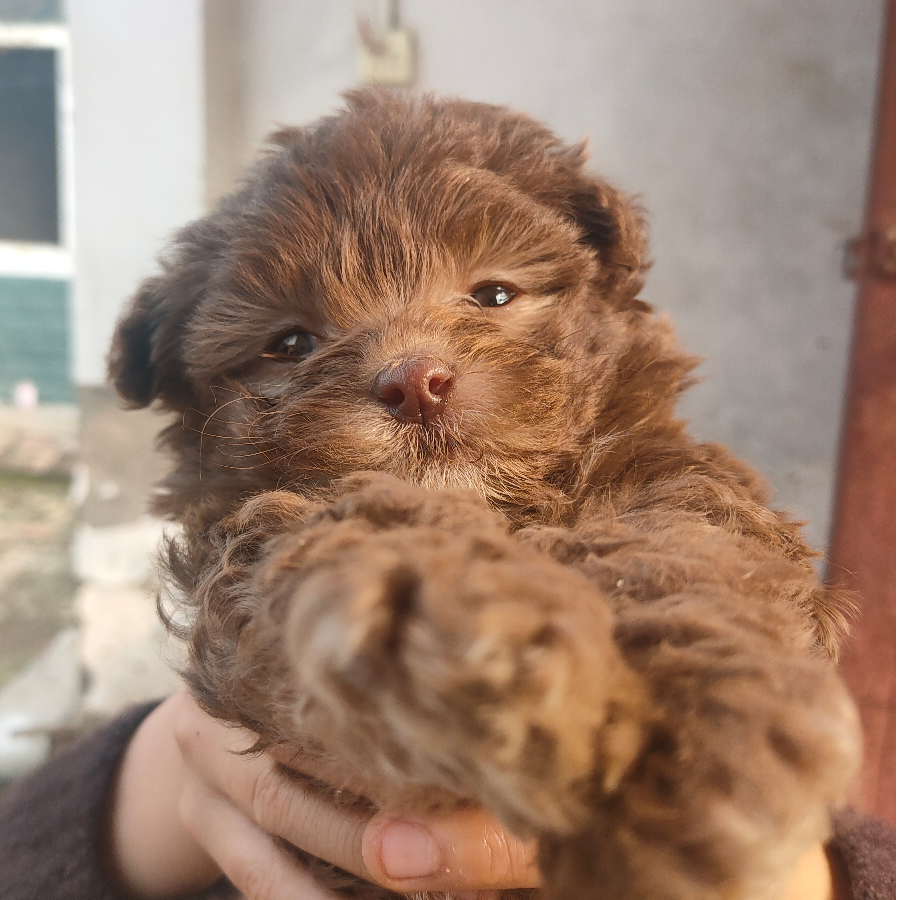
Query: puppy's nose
point(415, 390)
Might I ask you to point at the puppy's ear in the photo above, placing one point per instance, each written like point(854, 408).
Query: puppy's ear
point(145, 359)
point(130, 361)
point(613, 225)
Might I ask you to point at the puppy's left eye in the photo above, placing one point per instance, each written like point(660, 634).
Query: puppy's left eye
point(494, 295)
point(295, 345)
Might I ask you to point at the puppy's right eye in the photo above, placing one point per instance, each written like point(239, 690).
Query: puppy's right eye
point(295, 345)
point(494, 295)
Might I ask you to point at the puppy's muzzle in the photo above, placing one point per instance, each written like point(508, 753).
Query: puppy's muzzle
point(415, 389)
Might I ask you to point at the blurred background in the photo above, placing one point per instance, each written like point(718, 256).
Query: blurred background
point(746, 127)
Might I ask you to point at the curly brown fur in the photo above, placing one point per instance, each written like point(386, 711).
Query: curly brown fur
point(544, 596)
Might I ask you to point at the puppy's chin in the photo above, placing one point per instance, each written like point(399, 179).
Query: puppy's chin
point(461, 477)
point(511, 468)
point(520, 490)
point(439, 459)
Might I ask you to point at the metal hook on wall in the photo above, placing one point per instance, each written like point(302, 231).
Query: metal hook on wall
point(386, 50)
point(375, 20)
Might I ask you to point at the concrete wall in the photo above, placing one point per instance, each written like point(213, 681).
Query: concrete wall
point(744, 125)
point(138, 95)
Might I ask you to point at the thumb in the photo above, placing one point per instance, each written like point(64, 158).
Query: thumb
point(459, 850)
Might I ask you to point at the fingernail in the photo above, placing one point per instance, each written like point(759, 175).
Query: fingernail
point(409, 851)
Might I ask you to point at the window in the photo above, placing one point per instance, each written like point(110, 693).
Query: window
point(36, 234)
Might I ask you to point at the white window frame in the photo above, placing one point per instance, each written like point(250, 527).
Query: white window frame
point(26, 259)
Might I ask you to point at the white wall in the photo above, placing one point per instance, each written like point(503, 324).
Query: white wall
point(744, 124)
point(138, 95)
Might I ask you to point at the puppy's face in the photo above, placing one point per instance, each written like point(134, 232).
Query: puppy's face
point(430, 289)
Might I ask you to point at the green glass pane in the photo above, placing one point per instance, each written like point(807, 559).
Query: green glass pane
point(28, 165)
point(34, 337)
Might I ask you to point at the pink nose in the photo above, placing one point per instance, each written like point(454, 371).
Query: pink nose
point(414, 390)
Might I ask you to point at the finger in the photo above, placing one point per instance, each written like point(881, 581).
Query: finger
point(460, 850)
point(277, 804)
point(250, 858)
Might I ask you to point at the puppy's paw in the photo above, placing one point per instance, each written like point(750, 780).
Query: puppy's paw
point(461, 661)
point(751, 749)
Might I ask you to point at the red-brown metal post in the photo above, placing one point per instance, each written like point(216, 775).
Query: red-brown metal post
point(863, 542)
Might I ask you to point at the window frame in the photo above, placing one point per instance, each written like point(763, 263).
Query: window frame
point(32, 259)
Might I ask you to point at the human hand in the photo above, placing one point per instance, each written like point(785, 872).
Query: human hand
point(187, 808)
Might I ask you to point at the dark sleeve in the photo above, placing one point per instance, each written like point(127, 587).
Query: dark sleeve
point(867, 849)
point(51, 821)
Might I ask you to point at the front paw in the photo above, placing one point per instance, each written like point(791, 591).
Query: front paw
point(462, 661)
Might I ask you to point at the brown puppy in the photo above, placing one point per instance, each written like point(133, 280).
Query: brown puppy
point(443, 527)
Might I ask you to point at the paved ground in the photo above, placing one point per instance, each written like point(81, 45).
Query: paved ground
point(38, 449)
point(79, 635)
point(36, 583)
point(39, 441)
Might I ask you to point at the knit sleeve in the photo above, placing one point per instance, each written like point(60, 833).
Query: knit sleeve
point(51, 821)
point(868, 850)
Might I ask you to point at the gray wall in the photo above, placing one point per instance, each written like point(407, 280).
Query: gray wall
point(743, 124)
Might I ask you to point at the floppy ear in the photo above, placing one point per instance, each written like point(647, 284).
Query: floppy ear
point(613, 225)
point(145, 360)
point(130, 363)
